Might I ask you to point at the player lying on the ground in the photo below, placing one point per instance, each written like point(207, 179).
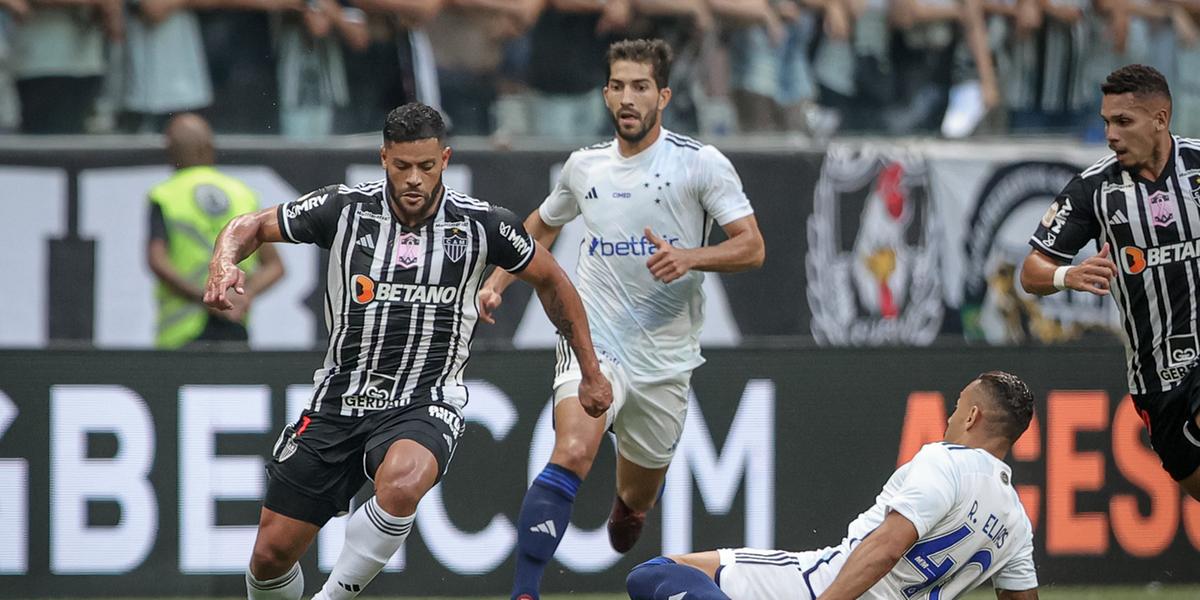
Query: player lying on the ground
point(944, 523)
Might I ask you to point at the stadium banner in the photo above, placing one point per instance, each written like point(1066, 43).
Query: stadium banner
point(140, 473)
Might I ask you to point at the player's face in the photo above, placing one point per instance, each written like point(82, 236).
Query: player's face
point(1131, 124)
point(956, 425)
point(414, 175)
point(634, 101)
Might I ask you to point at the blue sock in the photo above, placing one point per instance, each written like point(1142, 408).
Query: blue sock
point(545, 513)
point(660, 578)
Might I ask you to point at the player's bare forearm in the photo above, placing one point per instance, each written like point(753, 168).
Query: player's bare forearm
point(873, 558)
point(1021, 595)
point(542, 233)
point(243, 235)
point(1037, 274)
point(563, 306)
point(743, 251)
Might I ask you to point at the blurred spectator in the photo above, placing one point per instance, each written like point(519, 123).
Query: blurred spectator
point(312, 68)
point(11, 11)
point(512, 108)
point(58, 52)
point(469, 38)
point(1061, 89)
point(1185, 89)
point(186, 213)
point(397, 66)
point(242, 63)
point(1013, 37)
point(683, 24)
point(567, 68)
point(163, 69)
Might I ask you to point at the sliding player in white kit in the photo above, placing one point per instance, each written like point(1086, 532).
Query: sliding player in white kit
point(945, 522)
point(649, 199)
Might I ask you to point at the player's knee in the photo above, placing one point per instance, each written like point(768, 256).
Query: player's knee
point(270, 560)
point(575, 455)
point(399, 492)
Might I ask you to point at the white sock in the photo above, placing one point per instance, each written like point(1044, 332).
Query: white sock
point(372, 537)
point(289, 586)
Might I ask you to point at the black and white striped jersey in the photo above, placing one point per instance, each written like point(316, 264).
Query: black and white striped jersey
point(1153, 230)
point(400, 302)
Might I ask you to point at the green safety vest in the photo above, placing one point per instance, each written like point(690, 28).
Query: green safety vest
point(196, 202)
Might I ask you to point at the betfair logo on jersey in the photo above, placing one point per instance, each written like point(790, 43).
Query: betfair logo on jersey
point(367, 290)
point(1134, 260)
point(631, 247)
point(514, 237)
point(305, 205)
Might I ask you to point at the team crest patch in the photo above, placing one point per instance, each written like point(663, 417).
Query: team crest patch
point(408, 250)
point(1162, 209)
point(454, 243)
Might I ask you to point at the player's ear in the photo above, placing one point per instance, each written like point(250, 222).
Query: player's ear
point(664, 98)
point(383, 155)
point(446, 152)
point(973, 416)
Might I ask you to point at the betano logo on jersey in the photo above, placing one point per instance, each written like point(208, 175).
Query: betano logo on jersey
point(631, 247)
point(1134, 260)
point(367, 290)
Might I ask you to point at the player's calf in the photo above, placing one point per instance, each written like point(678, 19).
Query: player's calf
point(624, 526)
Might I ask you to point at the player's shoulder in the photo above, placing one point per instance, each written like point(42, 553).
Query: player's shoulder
point(599, 150)
point(1189, 150)
point(466, 206)
point(945, 454)
point(362, 192)
point(1102, 171)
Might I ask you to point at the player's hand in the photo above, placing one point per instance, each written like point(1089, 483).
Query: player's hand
point(595, 395)
point(222, 277)
point(668, 262)
point(237, 314)
point(489, 301)
point(1094, 274)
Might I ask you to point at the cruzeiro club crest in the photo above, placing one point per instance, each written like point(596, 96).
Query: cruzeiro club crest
point(872, 263)
point(454, 242)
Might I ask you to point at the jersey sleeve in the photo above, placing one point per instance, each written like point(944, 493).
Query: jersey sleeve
point(1019, 574)
point(721, 191)
point(1068, 224)
point(510, 247)
point(311, 218)
point(561, 206)
point(158, 222)
point(928, 492)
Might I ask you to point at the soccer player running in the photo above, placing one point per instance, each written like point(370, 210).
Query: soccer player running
point(406, 258)
point(649, 199)
point(1142, 206)
point(945, 522)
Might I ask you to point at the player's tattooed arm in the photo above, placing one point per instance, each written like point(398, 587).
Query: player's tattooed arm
point(240, 238)
point(565, 310)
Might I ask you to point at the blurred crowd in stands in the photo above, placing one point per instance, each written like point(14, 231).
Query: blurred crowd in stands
point(505, 68)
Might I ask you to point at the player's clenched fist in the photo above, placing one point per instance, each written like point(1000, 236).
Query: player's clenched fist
point(595, 394)
point(668, 262)
point(221, 277)
point(489, 301)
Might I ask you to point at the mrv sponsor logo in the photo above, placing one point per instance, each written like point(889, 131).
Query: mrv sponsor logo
point(514, 237)
point(305, 204)
point(367, 290)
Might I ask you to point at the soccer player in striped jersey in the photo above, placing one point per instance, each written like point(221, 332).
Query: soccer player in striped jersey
point(649, 199)
point(406, 259)
point(1141, 205)
point(944, 523)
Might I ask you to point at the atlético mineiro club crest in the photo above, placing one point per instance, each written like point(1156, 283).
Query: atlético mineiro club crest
point(408, 250)
point(454, 242)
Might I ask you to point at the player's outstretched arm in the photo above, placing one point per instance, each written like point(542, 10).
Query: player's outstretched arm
point(1093, 275)
point(240, 238)
point(873, 558)
point(565, 310)
point(1022, 595)
point(493, 289)
point(744, 250)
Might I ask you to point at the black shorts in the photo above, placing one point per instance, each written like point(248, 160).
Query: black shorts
point(1170, 417)
point(320, 462)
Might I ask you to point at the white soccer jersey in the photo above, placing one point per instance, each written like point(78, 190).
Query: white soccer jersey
point(970, 524)
point(677, 187)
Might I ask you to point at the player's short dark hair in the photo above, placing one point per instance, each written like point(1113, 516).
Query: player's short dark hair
point(1139, 80)
point(1012, 399)
point(655, 53)
point(414, 121)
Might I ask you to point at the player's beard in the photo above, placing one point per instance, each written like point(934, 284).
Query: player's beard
point(648, 123)
point(423, 210)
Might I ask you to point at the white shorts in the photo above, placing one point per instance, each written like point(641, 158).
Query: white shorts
point(750, 574)
point(646, 417)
